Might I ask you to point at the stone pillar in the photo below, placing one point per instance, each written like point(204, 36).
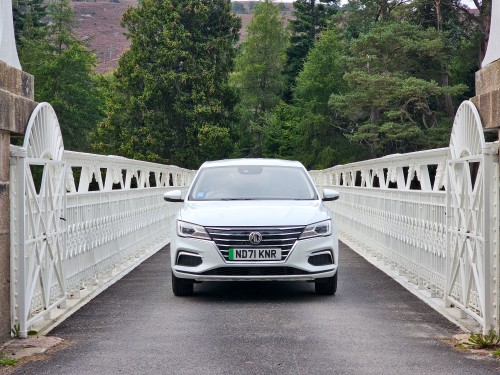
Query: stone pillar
point(16, 106)
point(487, 99)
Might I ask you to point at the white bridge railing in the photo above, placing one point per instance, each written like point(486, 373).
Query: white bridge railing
point(380, 213)
point(432, 216)
point(79, 220)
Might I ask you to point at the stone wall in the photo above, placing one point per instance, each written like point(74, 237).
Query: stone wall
point(16, 105)
point(487, 99)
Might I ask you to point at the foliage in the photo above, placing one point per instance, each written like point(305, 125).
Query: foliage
point(253, 5)
point(480, 341)
point(359, 16)
point(392, 89)
point(310, 18)
point(7, 361)
point(307, 129)
point(215, 141)
point(62, 23)
point(322, 142)
point(368, 78)
point(461, 35)
point(479, 22)
point(29, 19)
point(64, 76)
point(322, 73)
point(280, 132)
point(258, 74)
point(172, 83)
point(14, 331)
point(238, 8)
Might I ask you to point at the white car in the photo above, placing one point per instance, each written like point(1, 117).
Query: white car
point(253, 219)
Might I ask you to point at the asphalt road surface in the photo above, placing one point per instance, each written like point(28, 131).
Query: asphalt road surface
point(371, 326)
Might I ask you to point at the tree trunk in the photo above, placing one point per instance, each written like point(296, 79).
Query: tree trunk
point(375, 120)
point(450, 109)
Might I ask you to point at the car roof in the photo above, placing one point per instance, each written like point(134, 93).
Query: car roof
point(251, 161)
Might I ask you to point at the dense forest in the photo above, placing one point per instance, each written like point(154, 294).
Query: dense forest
point(338, 82)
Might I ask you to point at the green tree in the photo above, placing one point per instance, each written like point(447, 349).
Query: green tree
point(29, 19)
point(258, 74)
point(308, 129)
point(61, 28)
point(391, 94)
point(280, 135)
point(310, 18)
point(171, 99)
point(322, 73)
point(238, 8)
point(481, 19)
point(463, 35)
point(321, 141)
point(64, 76)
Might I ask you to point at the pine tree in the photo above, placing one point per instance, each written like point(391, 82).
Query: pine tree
point(311, 17)
point(30, 19)
point(391, 93)
point(258, 74)
point(171, 99)
point(64, 76)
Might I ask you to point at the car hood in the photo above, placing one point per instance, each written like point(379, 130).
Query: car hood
point(253, 213)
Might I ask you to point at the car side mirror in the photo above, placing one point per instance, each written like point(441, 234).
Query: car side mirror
point(330, 195)
point(173, 196)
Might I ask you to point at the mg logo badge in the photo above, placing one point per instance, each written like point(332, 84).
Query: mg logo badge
point(255, 238)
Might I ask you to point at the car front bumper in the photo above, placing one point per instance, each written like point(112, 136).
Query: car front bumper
point(215, 268)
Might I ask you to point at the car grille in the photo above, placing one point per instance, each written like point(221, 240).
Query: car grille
point(255, 271)
point(272, 237)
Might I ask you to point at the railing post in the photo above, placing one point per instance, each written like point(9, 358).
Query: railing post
point(448, 257)
point(22, 300)
point(491, 251)
point(487, 314)
point(17, 264)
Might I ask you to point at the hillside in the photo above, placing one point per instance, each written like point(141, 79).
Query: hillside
point(98, 23)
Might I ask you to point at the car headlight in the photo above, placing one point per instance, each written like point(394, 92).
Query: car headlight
point(323, 228)
point(191, 230)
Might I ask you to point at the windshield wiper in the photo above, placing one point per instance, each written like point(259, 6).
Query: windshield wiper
point(238, 199)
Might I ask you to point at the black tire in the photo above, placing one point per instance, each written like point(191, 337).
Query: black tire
point(326, 286)
point(182, 287)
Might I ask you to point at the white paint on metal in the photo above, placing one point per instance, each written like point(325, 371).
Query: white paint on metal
point(431, 216)
point(8, 51)
point(43, 138)
point(396, 212)
point(468, 268)
point(493, 49)
point(79, 219)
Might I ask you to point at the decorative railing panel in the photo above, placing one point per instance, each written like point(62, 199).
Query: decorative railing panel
point(471, 173)
point(431, 215)
point(394, 208)
point(77, 217)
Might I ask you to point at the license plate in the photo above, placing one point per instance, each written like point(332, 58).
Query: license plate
point(254, 254)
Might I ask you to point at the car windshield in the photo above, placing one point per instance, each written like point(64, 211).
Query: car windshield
point(252, 182)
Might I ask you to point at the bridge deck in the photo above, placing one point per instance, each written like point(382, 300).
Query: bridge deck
point(372, 326)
